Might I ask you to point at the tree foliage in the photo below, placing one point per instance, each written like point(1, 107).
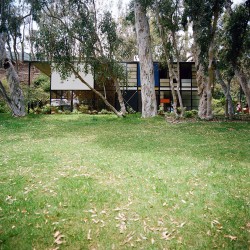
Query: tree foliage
point(73, 34)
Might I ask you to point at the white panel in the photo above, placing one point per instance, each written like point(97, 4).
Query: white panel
point(186, 82)
point(71, 83)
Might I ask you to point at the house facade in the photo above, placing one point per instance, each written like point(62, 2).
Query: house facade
point(71, 92)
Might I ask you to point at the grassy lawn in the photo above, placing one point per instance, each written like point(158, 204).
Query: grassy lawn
point(100, 182)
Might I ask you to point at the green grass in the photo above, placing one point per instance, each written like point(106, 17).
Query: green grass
point(109, 183)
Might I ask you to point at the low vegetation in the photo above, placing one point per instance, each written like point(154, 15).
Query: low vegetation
point(99, 182)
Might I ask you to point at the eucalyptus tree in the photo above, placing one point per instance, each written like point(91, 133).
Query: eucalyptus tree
point(204, 15)
point(9, 26)
point(149, 106)
point(76, 37)
point(223, 69)
point(236, 44)
point(168, 16)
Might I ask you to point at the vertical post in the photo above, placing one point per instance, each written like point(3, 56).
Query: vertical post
point(138, 75)
point(191, 86)
point(72, 96)
point(29, 87)
point(50, 93)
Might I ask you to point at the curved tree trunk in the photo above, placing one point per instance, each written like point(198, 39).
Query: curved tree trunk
point(149, 107)
point(77, 75)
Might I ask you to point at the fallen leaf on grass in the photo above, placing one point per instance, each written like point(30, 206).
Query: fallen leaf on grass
point(143, 237)
point(160, 222)
point(89, 235)
point(95, 221)
point(122, 227)
point(58, 238)
point(129, 237)
point(231, 237)
point(217, 224)
point(182, 224)
point(103, 212)
point(9, 199)
point(167, 236)
point(57, 233)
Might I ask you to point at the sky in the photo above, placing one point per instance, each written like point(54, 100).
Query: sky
point(115, 3)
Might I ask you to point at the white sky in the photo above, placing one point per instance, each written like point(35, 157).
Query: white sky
point(115, 3)
point(238, 1)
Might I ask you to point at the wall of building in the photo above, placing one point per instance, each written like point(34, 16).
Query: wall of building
point(76, 93)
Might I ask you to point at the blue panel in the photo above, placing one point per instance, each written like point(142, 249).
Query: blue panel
point(138, 75)
point(156, 74)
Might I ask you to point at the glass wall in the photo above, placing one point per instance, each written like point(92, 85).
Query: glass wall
point(130, 87)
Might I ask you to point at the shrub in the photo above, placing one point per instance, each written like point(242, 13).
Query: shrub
point(188, 114)
point(43, 82)
point(191, 113)
point(105, 112)
point(37, 110)
point(130, 110)
point(83, 109)
point(161, 110)
point(75, 111)
point(195, 112)
point(218, 106)
point(54, 109)
point(4, 108)
point(46, 109)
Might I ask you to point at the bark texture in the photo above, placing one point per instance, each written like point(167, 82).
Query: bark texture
point(171, 81)
point(16, 99)
point(120, 97)
point(177, 73)
point(244, 83)
point(201, 81)
point(149, 107)
point(211, 49)
point(229, 111)
point(205, 74)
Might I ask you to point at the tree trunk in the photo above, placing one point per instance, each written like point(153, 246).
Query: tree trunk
point(77, 75)
point(229, 110)
point(172, 73)
point(120, 97)
point(210, 81)
point(16, 98)
point(244, 83)
point(171, 81)
point(149, 106)
point(177, 73)
point(201, 82)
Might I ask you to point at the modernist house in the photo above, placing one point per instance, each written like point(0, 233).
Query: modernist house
point(70, 92)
